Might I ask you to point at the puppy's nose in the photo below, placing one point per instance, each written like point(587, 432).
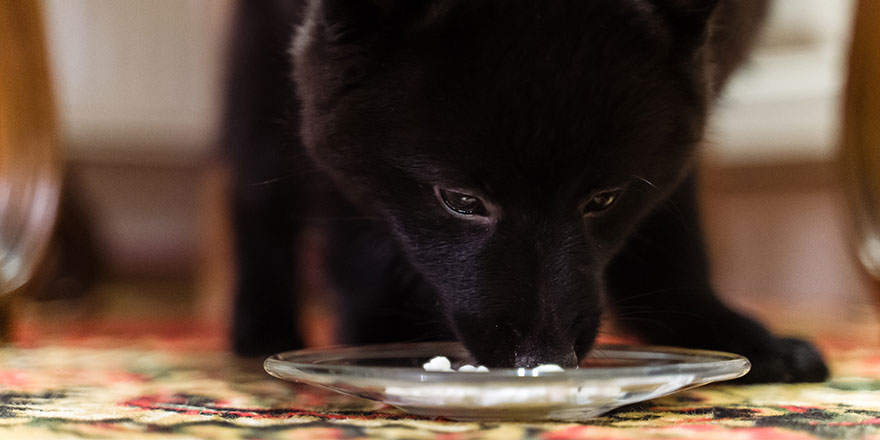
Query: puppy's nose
point(534, 357)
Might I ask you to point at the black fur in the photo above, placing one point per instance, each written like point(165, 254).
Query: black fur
point(534, 106)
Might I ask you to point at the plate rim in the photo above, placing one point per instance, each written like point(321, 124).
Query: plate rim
point(728, 365)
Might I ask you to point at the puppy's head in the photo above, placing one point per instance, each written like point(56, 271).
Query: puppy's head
point(511, 145)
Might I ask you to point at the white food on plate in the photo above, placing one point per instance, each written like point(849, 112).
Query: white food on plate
point(548, 368)
point(442, 363)
point(472, 369)
point(438, 363)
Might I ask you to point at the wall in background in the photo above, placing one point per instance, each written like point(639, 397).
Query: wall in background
point(784, 106)
point(137, 81)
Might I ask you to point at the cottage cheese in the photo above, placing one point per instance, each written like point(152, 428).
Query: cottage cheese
point(442, 363)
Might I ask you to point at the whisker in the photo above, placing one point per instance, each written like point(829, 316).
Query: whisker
point(273, 180)
point(645, 180)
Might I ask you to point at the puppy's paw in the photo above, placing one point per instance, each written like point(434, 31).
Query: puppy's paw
point(787, 360)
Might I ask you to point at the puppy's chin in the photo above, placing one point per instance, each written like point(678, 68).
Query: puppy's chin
point(526, 356)
point(530, 350)
point(533, 358)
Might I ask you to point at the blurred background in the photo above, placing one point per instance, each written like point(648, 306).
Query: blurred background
point(138, 92)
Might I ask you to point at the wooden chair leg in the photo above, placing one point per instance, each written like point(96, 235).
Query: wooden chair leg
point(860, 146)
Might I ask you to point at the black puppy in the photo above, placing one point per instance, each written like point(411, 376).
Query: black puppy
point(501, 172)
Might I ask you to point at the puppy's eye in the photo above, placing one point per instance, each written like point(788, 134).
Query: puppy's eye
point(600, 202)
point(462, 203)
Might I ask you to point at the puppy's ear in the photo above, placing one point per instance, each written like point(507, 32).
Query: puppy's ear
point(688, 19)
point(346, 20)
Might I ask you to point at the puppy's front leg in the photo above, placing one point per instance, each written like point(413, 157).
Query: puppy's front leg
point(659, 287)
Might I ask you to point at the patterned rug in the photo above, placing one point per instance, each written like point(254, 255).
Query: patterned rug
point(155, 392)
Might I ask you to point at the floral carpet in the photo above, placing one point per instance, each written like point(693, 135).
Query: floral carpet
point(95, 392)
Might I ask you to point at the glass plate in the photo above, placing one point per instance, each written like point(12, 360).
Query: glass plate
point(612, 376)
